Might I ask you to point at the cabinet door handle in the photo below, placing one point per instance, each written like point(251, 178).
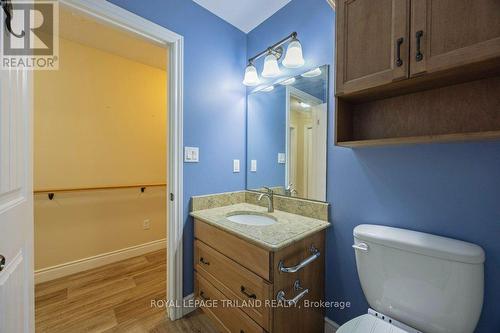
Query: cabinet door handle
point(315, 255)
point(244, 292)
point(399, 42)
point(419, 56)
point(280, 297)
point(202, 260)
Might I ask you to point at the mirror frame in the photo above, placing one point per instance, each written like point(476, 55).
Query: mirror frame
point(298, 93)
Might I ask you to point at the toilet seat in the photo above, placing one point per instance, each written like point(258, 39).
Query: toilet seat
point(369, 323)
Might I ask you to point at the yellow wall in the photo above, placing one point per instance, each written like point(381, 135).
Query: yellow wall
point(99, 121)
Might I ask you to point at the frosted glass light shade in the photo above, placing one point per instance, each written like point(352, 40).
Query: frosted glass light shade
point(251, 76)
point(271, 67)
point(294, 57)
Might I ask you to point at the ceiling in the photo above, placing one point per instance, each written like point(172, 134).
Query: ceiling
point(243, 14)
point(94, 34)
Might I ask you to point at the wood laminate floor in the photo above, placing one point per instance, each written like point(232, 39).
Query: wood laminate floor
point(112, 298)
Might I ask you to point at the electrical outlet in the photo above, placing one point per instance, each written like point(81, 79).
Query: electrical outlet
point(146, 224)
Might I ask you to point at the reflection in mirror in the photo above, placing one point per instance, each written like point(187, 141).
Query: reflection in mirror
point(287, 136)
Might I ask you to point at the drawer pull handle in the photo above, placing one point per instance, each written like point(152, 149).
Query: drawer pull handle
point(204, 262)
point(203, 297)
point(281, 297)
point(315, 255)
point(244, 292)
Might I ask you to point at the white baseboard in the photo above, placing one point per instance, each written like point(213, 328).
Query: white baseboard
point(330, 326)
point(188, 309)
point(72, 267)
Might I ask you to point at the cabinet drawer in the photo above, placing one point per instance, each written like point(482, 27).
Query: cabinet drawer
point(248, 255)
point(231, 319)
point(235, 282)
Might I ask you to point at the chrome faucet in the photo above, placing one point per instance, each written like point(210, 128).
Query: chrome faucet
point(290, 190)
point(270, 198)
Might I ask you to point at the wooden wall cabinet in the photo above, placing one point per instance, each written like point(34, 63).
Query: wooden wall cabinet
point(372, 43)
point(453, 33)
point(414, 71)
point(232, 269)
point(382, 42)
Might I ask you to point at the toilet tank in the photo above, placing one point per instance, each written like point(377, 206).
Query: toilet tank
point(433, 284)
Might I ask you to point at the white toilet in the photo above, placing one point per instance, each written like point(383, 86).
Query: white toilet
point(417, 282)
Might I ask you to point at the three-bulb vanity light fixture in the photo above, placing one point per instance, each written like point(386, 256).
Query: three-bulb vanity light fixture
point(293, 59)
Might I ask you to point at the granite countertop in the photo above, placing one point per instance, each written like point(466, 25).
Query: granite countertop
point(288, 229)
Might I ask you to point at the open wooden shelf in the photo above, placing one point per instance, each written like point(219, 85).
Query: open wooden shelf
point(460, 137)
point(462, 112)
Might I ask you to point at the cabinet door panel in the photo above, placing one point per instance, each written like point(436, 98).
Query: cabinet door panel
point(454, 33)
point(367, 43)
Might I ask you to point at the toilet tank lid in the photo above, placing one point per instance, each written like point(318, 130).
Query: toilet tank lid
point(421, 243)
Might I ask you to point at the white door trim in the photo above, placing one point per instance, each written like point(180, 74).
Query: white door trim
point(116, 16)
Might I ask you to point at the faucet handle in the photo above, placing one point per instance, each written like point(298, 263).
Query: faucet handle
point(269, 191)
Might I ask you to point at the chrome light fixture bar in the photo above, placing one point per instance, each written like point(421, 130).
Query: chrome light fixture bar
point(293, 59)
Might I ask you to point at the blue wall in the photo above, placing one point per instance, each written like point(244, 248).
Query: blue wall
point(214, 100)
point(451, 190)
point(266, 137)
point(447, 189)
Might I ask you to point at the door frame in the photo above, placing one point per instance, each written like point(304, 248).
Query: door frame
point(113, 15)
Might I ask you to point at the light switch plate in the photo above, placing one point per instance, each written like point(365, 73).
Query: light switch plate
point(236, 166)
point(253, 166)
point(281, 158)
point(191, 154)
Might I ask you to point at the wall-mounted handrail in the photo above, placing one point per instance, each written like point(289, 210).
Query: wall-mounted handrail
point(51, 192)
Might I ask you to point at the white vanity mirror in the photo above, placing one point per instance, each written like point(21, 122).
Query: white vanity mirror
point(287, 136)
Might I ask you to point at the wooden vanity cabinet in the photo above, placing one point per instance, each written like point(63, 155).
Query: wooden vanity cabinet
point(230, 268)
point(412, 45)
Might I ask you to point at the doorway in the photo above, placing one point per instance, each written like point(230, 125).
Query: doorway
point(16, 190)
point(100, 169)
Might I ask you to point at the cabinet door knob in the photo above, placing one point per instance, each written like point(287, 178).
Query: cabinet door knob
point(419, 56)
point(2, 262)
point(202, 260)
point(399, 42)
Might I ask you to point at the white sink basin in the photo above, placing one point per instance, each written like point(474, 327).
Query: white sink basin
point(251, 218)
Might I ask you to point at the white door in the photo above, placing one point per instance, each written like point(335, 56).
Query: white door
point(16, 202)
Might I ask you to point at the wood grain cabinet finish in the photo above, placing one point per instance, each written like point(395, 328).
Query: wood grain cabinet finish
point(372, 43)
point(453, 33)
point(234, 281)
point(381, 43)
point(440, 86)
point(219, 274)
point(227, 319)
